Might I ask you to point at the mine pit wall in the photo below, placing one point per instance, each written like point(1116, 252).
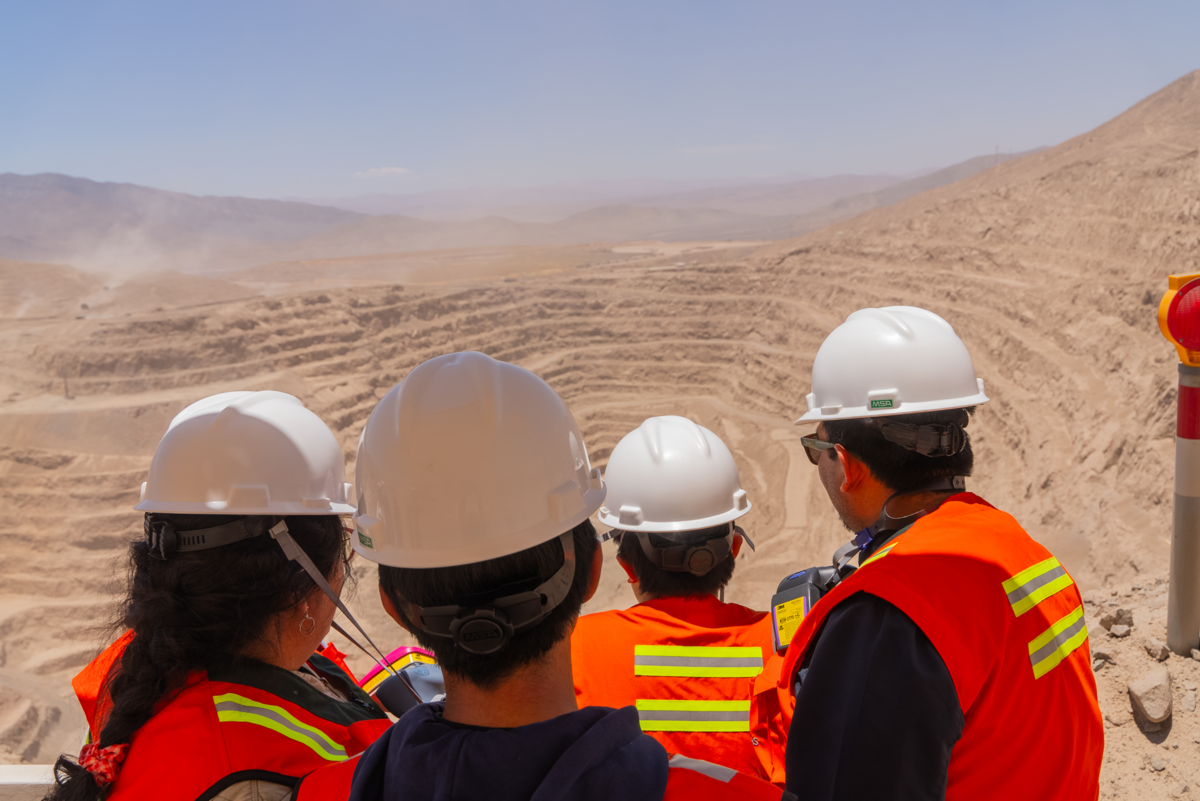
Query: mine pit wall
point(728, 345)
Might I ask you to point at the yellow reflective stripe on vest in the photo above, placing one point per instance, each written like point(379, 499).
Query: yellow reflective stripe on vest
point(694, 715)
point(232, 708)
point(1035, 584)
point(1056, 643)
point(714, 662)
point(882, 552)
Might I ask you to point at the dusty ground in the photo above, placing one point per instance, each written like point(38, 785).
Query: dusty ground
point(1050, 267)
point(1143, 759)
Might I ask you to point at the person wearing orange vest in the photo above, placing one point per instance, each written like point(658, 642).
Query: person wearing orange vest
point(682, 657)
point(953, 662)
point(475, 492)
point(221, 686)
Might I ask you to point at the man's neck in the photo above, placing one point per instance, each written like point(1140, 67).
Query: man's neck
point(535, 692)
point(643, 597)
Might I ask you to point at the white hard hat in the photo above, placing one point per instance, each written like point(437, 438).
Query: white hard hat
point(888, 361)
point(670, 475)
point(469, 459)
point(247, 453)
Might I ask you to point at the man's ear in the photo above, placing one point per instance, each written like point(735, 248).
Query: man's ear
point(390, 608)
point(854, 472)
point(628, 568)
point(594, 578)
point(737, 545)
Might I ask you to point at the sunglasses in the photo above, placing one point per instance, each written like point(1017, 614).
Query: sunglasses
point(814, 446)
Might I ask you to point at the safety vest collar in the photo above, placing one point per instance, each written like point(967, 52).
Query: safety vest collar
point(287, 685)
point(704, 611)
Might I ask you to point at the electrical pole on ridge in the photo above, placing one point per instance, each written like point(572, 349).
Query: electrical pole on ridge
point(1179, 321)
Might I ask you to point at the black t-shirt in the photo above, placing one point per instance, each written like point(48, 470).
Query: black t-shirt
point(877, 715)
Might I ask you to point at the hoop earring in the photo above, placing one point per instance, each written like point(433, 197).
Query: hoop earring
point(312, 624)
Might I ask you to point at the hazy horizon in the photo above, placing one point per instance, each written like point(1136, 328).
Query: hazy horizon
point(276, 100)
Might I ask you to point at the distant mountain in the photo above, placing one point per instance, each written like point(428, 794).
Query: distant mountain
point(52, 217)
point(398, 234)
point(607, 223)
point(780, 196)
point(627, 221)
point(848, 207)
point(795, 197)
point(853, 206)
point(123, 227)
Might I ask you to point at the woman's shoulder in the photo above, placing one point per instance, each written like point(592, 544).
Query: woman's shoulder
point(260, 681)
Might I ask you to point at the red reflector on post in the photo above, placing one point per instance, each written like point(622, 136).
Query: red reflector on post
point(1183, 316)
point(1187, 424)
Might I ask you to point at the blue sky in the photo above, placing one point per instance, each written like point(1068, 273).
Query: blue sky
point(274, 98)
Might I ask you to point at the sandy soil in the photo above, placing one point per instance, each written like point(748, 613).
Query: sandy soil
point(1143, 759)
point(1050, 267)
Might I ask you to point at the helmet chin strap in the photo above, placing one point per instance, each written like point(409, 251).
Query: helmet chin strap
point(279, 532)
point(486, 623)
point(886, 524)
point(697, 557)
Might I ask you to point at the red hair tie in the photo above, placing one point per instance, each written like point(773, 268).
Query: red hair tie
point(103, 763)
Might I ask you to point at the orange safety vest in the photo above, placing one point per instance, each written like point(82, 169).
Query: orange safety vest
point(1008, 622)
point(228, 726)
point(689, 666)
point(696, 780)
point(330, 783)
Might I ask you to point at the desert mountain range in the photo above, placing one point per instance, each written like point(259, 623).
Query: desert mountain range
point(127, 228)
point(1049, 266)
point(56, 217)
point(774, 197)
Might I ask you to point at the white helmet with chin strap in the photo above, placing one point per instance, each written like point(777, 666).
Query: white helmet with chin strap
point(885, 363)
point(247, 453)
point(470, 459)
point(671, 477)
point(891, 361)
point(261, 456)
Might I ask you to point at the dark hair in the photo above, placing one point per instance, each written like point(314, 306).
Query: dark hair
point(194, 611)
point(897, 468)
point(660, 583)
point(442, 586)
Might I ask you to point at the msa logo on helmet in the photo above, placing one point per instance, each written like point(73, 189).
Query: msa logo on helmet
point(482, 635)
point(365, 540)
point(883, 403)
point(478, 634)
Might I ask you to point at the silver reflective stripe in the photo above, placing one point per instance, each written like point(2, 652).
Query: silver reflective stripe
point(691, 714)
point(274, 720)
point(1028, 588)
point(1058, 641)
point(671, 714)
point(699, 661)
point(718, 772)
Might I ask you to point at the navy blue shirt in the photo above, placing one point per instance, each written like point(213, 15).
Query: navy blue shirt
point(595, 754)
point(877, 715)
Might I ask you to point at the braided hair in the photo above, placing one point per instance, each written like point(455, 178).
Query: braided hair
point(195, 611)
